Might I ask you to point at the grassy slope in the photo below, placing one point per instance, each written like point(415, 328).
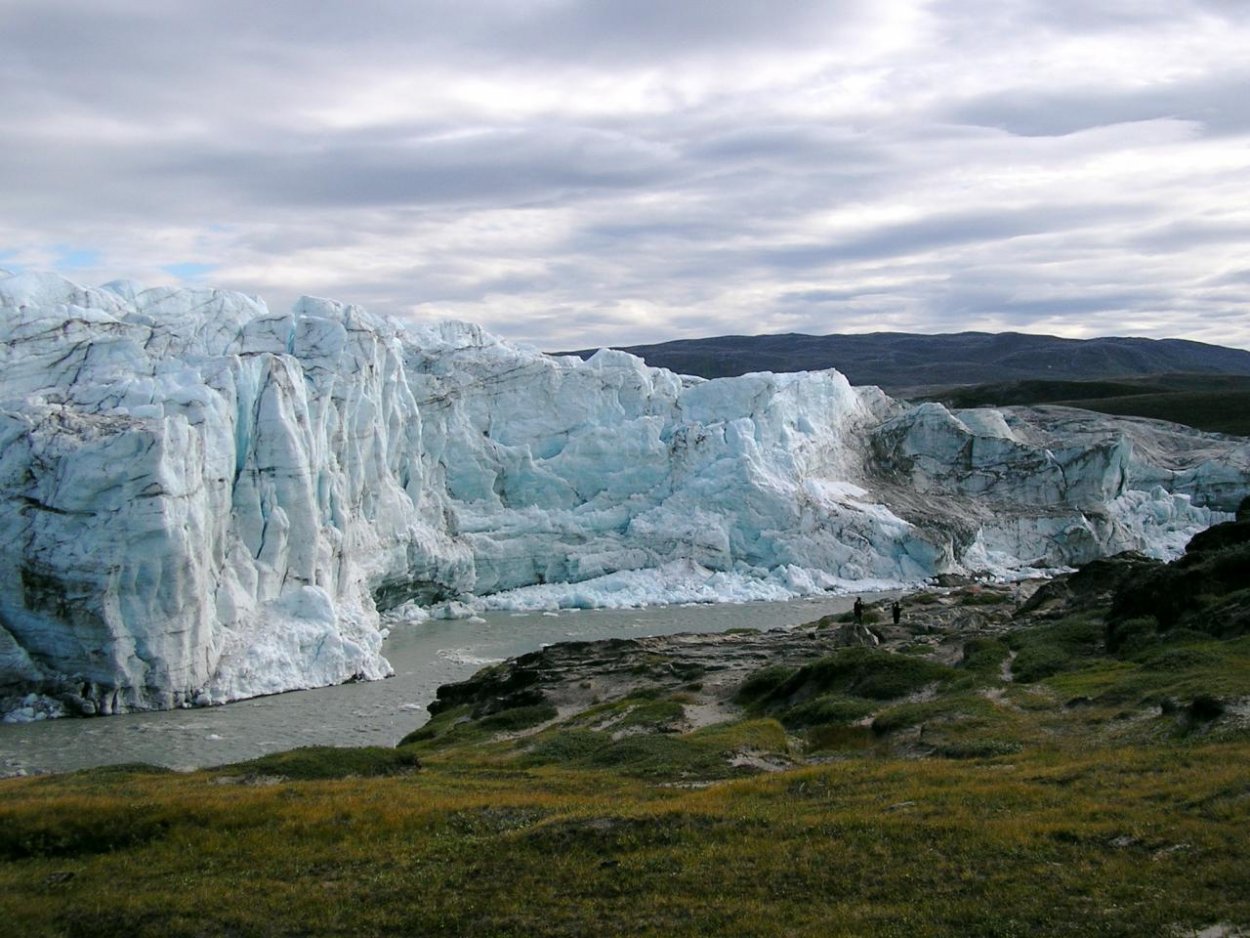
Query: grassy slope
point(1089, 800)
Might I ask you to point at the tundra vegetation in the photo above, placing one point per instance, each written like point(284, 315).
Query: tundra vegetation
point(1062, 759)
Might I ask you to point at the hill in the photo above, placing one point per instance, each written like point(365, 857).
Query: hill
point(1218, 403)
point(1193, 383)
point(904, 363)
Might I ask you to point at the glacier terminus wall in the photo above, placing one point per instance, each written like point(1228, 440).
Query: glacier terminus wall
point(203, 500)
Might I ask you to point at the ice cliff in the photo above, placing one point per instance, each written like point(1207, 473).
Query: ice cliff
point(203, 500)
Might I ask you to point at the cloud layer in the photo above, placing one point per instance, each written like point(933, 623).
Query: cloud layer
point(579, 173)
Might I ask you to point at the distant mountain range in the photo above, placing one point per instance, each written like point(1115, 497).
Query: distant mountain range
point(1204, 386)
point(907, 364)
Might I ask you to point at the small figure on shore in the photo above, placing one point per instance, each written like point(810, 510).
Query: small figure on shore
point(896, 611)
point(858, 609)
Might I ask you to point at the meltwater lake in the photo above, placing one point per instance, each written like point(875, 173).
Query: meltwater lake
point(377, 713)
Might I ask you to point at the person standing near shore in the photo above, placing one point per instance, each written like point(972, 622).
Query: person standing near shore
point(858, 610)
point(896, 611)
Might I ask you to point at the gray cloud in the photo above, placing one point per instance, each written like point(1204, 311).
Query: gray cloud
point(494, 166)
point(1218, 104)
point(1108, 18)
point(945, 231)
point(575, 173)
point(1181, 235)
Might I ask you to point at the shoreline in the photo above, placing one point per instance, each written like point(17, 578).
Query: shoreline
point(370, 712)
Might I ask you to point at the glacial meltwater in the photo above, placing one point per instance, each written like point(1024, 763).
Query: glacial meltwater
point(377, 713)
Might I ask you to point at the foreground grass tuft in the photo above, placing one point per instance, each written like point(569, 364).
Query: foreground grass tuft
point(324, 762)
point(1122, 841)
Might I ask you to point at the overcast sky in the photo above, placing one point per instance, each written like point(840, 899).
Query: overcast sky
point(573, 174)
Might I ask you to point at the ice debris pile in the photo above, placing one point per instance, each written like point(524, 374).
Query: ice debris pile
point(203, 500)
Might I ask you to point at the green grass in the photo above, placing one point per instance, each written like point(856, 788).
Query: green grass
point(838, 738)
point(1128, 841)
point(763, 683)
point(517, 718)
point(324, 762)
point(984, 657)
point(1098, 794)
point(948, 710)
point(660, 756)
point(857, 672)
point(1045, 650)
point(1177, 672)
point(827, 708)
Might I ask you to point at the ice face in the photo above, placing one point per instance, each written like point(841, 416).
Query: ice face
point(203, 500)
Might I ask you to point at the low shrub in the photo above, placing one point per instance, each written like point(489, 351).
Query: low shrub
point(1131, 635)
point(893, 682)
point(71, 833)
point(765, 735)
point(110, 772)
point(652, 755)
point(1205, 707)
point(762, 683)
point(1046, 650)
point(947, 709)
point(859, 672)
point(688, 670)
point(441, 724)
point(659, 756)
point(705, 753)
point(518, 718)
point(828, 708)
point(1177, 658)
point(977, 749)
point(984, 656)
point(566, 746)
point(420, 735)
point(650, 692)
point(321, 762)
point(652, 713)
point(1040, 661)
point(834, 737)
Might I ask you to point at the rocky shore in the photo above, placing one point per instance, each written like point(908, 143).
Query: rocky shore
point(706, 673)
point(953, 675)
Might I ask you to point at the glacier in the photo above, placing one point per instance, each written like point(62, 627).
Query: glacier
point(203, 500)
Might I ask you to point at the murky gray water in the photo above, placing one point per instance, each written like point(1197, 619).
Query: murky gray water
point(374, 713)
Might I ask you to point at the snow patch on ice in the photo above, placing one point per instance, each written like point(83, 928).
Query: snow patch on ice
point(680, 582)
point(408, 614)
